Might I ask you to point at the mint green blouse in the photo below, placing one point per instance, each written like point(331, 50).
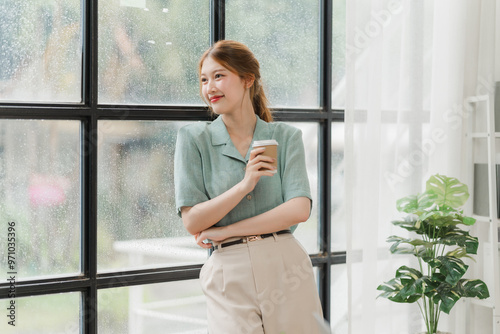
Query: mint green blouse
point(207, 164)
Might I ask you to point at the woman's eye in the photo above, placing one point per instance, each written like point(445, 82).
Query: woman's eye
point(203, 80)
point(218, 76)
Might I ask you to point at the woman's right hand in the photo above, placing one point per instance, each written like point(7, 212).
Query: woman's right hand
point(258, 165)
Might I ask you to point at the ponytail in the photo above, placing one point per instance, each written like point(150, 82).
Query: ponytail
point(260, 102)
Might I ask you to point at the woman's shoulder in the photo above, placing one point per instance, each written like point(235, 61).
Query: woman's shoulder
point(194, 130)
point(284, 130)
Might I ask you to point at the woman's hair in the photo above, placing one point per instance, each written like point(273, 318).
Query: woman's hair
point(238, 58)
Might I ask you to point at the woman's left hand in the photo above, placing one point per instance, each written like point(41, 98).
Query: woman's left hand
point(212, 233)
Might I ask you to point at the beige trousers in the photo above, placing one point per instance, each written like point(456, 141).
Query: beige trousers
point(263, 286)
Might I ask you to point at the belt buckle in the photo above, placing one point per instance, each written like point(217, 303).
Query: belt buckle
point(254, 238)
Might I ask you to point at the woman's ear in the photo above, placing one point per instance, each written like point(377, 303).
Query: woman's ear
point(249, 81)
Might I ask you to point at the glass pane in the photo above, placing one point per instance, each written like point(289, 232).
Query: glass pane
point(178, 306)
point(338, 54)
point(307, 232)
point(339, 299)
point(149, 51)
point(41, 51)
point(40, 193)
point(137, 221)
point(284, 35)
point(337, 192)
point(48, 314)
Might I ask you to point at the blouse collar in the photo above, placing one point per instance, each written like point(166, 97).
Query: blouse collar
point(220, 136)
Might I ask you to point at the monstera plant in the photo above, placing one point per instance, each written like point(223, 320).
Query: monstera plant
point(435, 219)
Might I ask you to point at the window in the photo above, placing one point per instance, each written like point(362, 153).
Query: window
point(41, 51)
point(285, 40)
point(153, 63)
point(91, 97)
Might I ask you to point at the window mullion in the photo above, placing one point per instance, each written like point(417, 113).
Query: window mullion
point(217, 20)
point(89, 169)
point(325, 154)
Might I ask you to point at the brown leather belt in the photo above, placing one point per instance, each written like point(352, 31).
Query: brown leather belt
point(248, 239)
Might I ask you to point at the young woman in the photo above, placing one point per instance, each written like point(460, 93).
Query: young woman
point(259, 279)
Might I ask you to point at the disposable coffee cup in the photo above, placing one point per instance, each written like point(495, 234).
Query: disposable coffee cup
point(271, 150)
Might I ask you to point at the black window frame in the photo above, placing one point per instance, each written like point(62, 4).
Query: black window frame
point(89, 112)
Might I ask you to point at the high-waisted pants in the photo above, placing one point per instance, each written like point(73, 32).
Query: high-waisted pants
point(263, 286)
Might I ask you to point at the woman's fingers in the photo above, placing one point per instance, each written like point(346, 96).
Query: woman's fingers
point(255, 152)
point(264, 166)
point(204, 245)
point(200, 240)
point(259, 160)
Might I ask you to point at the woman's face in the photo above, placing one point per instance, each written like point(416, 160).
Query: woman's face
point(223, 90)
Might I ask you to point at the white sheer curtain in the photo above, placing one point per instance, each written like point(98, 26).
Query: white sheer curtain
point(410, 66)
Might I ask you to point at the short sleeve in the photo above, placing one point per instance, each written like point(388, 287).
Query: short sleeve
point(295, 181)
point(188, 172)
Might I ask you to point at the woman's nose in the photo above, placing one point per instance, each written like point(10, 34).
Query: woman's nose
point(211, 86)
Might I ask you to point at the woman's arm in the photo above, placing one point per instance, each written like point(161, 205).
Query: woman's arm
point(292, 212)
point(203, 215)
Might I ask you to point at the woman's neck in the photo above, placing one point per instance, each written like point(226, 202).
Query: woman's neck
point(241, 129)
point(240, 125)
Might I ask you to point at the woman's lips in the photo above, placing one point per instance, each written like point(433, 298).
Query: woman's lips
point(214, 99)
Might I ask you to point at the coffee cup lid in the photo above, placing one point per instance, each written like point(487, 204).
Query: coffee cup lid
point(267, 142)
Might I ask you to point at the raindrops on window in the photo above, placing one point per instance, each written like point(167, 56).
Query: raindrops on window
point(40, 190)
point(41, 51)
point(138, 225)
point(149, 51)
point(284, 36)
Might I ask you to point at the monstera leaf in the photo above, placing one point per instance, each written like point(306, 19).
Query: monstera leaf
point(460, 238)
point(416, 203)
point(407, 287)
point(452, 268)
point(447, 295)
point(449, 191)
point(415, 246)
